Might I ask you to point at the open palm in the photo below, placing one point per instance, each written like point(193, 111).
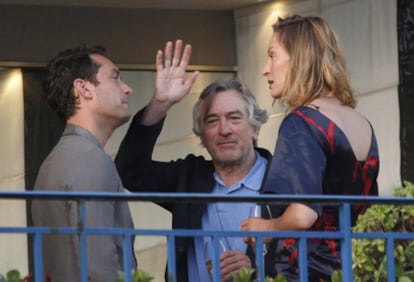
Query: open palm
point(170, 85)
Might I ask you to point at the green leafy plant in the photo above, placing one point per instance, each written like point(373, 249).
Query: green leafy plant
point(11, 276)
point(368, 255)
point(137, 276)
point(245, 275)
point(14, 276)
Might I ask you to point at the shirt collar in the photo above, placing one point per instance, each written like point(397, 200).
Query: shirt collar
point(72, 129)
point(252, 181)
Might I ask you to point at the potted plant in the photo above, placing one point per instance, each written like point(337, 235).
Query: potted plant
point(11, 276)
point(245, 275)
point(14, 276)
point(368, 255)
point(137, 276)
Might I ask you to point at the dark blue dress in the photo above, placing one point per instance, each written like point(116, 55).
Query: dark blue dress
point(313, 156)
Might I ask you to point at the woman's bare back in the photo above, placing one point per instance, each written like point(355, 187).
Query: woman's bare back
point(354, 125)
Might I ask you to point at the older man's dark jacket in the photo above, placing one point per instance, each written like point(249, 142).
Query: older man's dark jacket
point(193, 174)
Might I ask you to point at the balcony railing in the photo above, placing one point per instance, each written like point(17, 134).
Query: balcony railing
point(344, 234)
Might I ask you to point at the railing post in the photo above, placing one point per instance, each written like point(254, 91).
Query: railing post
point(346, 242)
point(303, 260)
point(216, 259)
point(83, 241)
point(172, 277)
point(38, 257)
point(390, 259)
point(127, 257)
point(259, 258)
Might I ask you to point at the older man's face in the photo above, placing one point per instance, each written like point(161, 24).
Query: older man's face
point(226, 132)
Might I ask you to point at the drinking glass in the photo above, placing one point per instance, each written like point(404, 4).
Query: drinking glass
point(209, 251)
point(256, 211)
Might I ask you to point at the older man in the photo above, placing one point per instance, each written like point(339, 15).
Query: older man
point(227, 119)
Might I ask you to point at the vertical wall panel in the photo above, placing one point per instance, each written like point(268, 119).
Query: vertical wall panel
point(13, 248)
point(406, 87)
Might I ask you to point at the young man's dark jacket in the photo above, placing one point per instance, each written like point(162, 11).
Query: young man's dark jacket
point(193, 174)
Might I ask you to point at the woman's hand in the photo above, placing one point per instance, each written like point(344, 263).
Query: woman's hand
point(256, 224)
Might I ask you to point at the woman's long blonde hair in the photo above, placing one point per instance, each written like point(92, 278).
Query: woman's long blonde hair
point(316, 62)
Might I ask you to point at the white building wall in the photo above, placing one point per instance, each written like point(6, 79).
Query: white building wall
point(13, 248)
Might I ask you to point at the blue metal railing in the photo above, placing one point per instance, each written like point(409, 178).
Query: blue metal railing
point(344, 234)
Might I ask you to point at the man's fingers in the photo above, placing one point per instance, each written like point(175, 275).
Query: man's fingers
point(158, 61)
point(233, 262)
point(177, 52)
point(186, 56)
point(168, 54)
point(191, 79)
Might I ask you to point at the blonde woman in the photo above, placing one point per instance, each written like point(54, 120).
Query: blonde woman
point(324, 146)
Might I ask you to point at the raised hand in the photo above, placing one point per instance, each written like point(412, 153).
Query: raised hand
point(170, 85)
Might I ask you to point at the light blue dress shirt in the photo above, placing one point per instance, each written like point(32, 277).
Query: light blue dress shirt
point(224, 216)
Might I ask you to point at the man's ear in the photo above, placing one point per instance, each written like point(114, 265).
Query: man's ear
point(81, 88)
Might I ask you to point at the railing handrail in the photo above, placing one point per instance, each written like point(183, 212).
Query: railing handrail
point(343, 234)
point(206, 197)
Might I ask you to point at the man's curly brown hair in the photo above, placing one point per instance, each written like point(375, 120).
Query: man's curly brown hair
point(61, 72)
